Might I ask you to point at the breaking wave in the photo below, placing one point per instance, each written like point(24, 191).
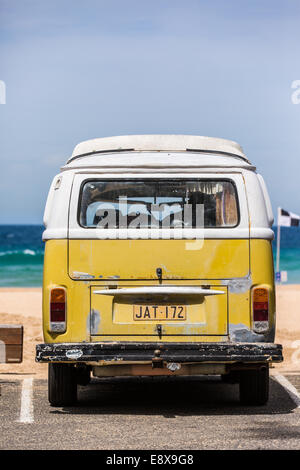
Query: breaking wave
point(24, 256)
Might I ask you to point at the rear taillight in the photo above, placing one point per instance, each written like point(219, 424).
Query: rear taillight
point(58, 310)
point(260, 309)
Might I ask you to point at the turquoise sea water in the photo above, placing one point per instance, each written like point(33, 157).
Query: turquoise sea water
point(21, 255)
point(22, 251)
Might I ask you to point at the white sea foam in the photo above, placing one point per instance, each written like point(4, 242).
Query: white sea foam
point(20, 252)
point(29, 252)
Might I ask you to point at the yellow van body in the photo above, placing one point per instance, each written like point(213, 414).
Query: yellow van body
point(172, 304)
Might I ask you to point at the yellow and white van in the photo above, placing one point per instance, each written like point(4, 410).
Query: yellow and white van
point(158, 261)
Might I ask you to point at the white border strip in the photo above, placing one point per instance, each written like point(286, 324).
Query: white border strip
point(291, 390)
point(2, 352)
point(26, 412)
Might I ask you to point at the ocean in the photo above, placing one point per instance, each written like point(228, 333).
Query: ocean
point(22, 252)
point(21, 255)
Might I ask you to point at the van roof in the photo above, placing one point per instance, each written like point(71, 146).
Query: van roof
point(158, 143)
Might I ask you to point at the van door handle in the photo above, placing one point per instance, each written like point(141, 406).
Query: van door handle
point(174, 290)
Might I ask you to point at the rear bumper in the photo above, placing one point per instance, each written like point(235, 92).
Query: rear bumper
point(160, 352)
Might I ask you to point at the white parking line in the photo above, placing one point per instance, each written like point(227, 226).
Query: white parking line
point(26, 412)
point(291, 390)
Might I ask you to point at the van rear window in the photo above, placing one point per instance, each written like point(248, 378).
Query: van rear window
point(158, 204)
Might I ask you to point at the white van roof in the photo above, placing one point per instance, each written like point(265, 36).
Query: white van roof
point(158, 143)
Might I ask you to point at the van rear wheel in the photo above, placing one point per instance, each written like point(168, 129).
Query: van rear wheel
point(254, 386)
point(62, 385)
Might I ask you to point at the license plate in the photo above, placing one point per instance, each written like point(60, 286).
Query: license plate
point(159, 312)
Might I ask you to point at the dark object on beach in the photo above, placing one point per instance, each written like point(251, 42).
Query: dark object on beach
point(11, 343)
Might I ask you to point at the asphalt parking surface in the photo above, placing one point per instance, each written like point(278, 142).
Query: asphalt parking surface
point(133, 413)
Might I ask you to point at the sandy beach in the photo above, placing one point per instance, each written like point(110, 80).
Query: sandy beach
point(24, 306)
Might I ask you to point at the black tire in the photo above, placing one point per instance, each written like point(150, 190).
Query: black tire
point(62, 386)
point(254, 386)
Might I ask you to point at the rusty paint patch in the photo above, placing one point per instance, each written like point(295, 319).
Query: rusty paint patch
point(241, 333)
point(238, 285)
point(74, 353)
point(80, 275)
point(93, 322)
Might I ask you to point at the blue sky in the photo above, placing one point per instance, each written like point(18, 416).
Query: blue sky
point(77, 70)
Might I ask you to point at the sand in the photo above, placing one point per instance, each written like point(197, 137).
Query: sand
point(24, 306)
point(288, 325)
